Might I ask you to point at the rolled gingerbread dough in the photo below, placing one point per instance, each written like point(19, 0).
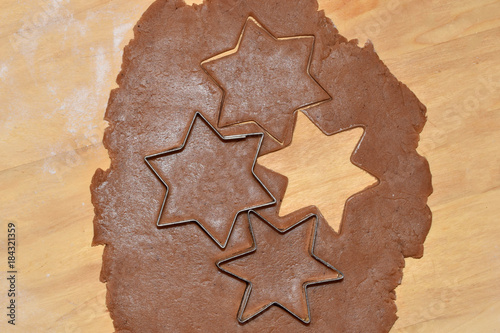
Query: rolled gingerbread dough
point(164, 279)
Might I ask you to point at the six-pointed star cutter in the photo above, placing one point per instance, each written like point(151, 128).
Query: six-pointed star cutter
point(224, 138)
point(248, 289)
point(236, 48)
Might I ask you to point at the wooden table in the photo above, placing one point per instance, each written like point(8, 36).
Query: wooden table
point(59, 60)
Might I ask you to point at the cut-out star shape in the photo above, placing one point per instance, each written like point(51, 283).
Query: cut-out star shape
point(265, 80)
point(315, 178)
point(209, 179)
point(279, 268)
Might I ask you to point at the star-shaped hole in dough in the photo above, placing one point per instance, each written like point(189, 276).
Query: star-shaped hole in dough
point(265, 80)
point(319, 170)
point(279, 268)
point(209, 179)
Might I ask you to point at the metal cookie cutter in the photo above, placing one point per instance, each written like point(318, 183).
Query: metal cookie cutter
point(225, 138)
point(248, 289)
point(237, 48)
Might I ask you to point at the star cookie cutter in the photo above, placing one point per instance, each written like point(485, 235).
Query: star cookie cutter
point(180, 148)
point(236, 49)
point(248, 289)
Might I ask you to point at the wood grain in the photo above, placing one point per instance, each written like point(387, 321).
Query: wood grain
point(316, 176)
point(59, 60)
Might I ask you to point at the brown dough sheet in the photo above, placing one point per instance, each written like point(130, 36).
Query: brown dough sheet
point(165, 279)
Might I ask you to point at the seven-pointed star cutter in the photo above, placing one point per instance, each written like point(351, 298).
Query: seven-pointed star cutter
point(254, 248)
point(280, 116)
point(222, 243)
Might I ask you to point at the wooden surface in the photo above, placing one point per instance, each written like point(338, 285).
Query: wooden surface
point(59, 60)
point(315, 175)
